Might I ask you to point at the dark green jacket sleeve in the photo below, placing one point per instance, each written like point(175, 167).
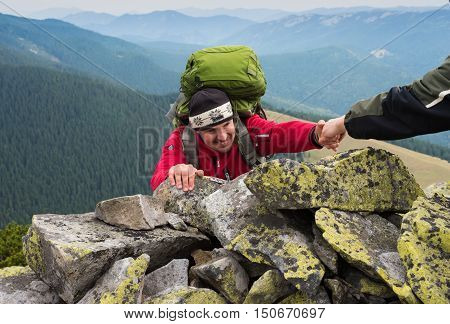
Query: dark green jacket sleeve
point(420, 108)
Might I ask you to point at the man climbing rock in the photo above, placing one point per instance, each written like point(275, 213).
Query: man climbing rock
point(218, 141)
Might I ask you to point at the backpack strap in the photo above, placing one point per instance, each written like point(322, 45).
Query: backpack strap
point(172, 113)
point(190, 146)
point(246, 147)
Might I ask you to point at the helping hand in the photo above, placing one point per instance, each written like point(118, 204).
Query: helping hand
point(183, 176)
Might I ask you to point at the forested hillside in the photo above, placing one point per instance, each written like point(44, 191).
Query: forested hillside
point(59, 44)
point(68, 142)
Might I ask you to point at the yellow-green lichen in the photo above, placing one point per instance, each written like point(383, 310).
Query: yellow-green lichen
point(267, 289)
point(75, 251)
point(426, 259)
point(32, 250)
point(342, 239)
point(15, 271)
point(371, 287)
point(273, 247)
point(297, 298)
point(128, 290)
point(401, 289)
point(189, 295)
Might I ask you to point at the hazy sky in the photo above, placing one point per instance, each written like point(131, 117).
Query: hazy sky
point(142, 6)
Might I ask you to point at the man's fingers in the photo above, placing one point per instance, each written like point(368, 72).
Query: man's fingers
point(185, 178)
point(191, 178)
point(171, 177)
point(178, 181)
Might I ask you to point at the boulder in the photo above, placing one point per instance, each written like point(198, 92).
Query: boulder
point(70, 252)
point(424, 248)
point(242, 224)
point(172, 276)
point(121, 284)
point(137, 212)
point(20, 285)
point(269, 288)
point(186, 204)
point(189, 295)
point(225, 275)
point(369, 243)
point(357, 180)
point(299, 297)
point(440, 193)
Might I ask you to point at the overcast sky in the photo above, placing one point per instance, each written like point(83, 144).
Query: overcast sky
point(143, 6)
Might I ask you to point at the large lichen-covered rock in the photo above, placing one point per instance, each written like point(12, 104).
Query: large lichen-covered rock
point(269, 288)
point(369, 243)
point(121, 284)
point(227, 276)
point(424, 248)
point(186, 204)
point(70, 252)
point(20, 285)
point(189, 295)
point(137, 212)
point(299, 297)
point(357, 180)
point(242, 224)
point(341, 292)
point(172, 276)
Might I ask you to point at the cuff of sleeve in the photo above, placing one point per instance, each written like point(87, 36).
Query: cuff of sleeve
point(313, 138)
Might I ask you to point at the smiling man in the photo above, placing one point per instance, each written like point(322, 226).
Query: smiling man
point(216, 141)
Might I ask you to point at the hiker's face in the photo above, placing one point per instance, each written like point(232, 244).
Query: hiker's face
point(220, 137)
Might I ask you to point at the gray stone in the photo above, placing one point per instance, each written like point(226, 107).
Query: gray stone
point(225, 275)
point(201, 257)
point(325, 251)
point(253, 269)
point(172, 276)
point(121, 284)
point(188, 295)
point(176, 222)
point(439, 193)
point(269, 288)
point(369, 243)
point(357, 180)
point(20, 285)
point(70, 252)
point(299, 297)
point(242, 224)
point(137, 212)
point(366, 285)
point(341, 293)
point(186, 204)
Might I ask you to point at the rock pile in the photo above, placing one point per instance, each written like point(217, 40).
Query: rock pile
point(353, 228)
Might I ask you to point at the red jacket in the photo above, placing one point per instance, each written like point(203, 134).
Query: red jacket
point(268, 137)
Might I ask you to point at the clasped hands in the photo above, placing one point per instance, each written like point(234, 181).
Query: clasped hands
point(331, 133)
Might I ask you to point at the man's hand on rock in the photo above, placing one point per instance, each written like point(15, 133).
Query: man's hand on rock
point(183, 176)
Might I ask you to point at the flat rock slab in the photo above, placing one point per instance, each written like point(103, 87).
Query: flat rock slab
point(121, 284)
point(137, 212)
point(369, 243)
point(324, 251)
point(189, 295)
point(172, 276)
point(227, 276)
point(357, 180)
point(269, 288)
point(20, 285)
point(424, 248)
point(70, 252)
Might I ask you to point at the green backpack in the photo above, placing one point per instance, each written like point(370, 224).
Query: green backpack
point(236, 71)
